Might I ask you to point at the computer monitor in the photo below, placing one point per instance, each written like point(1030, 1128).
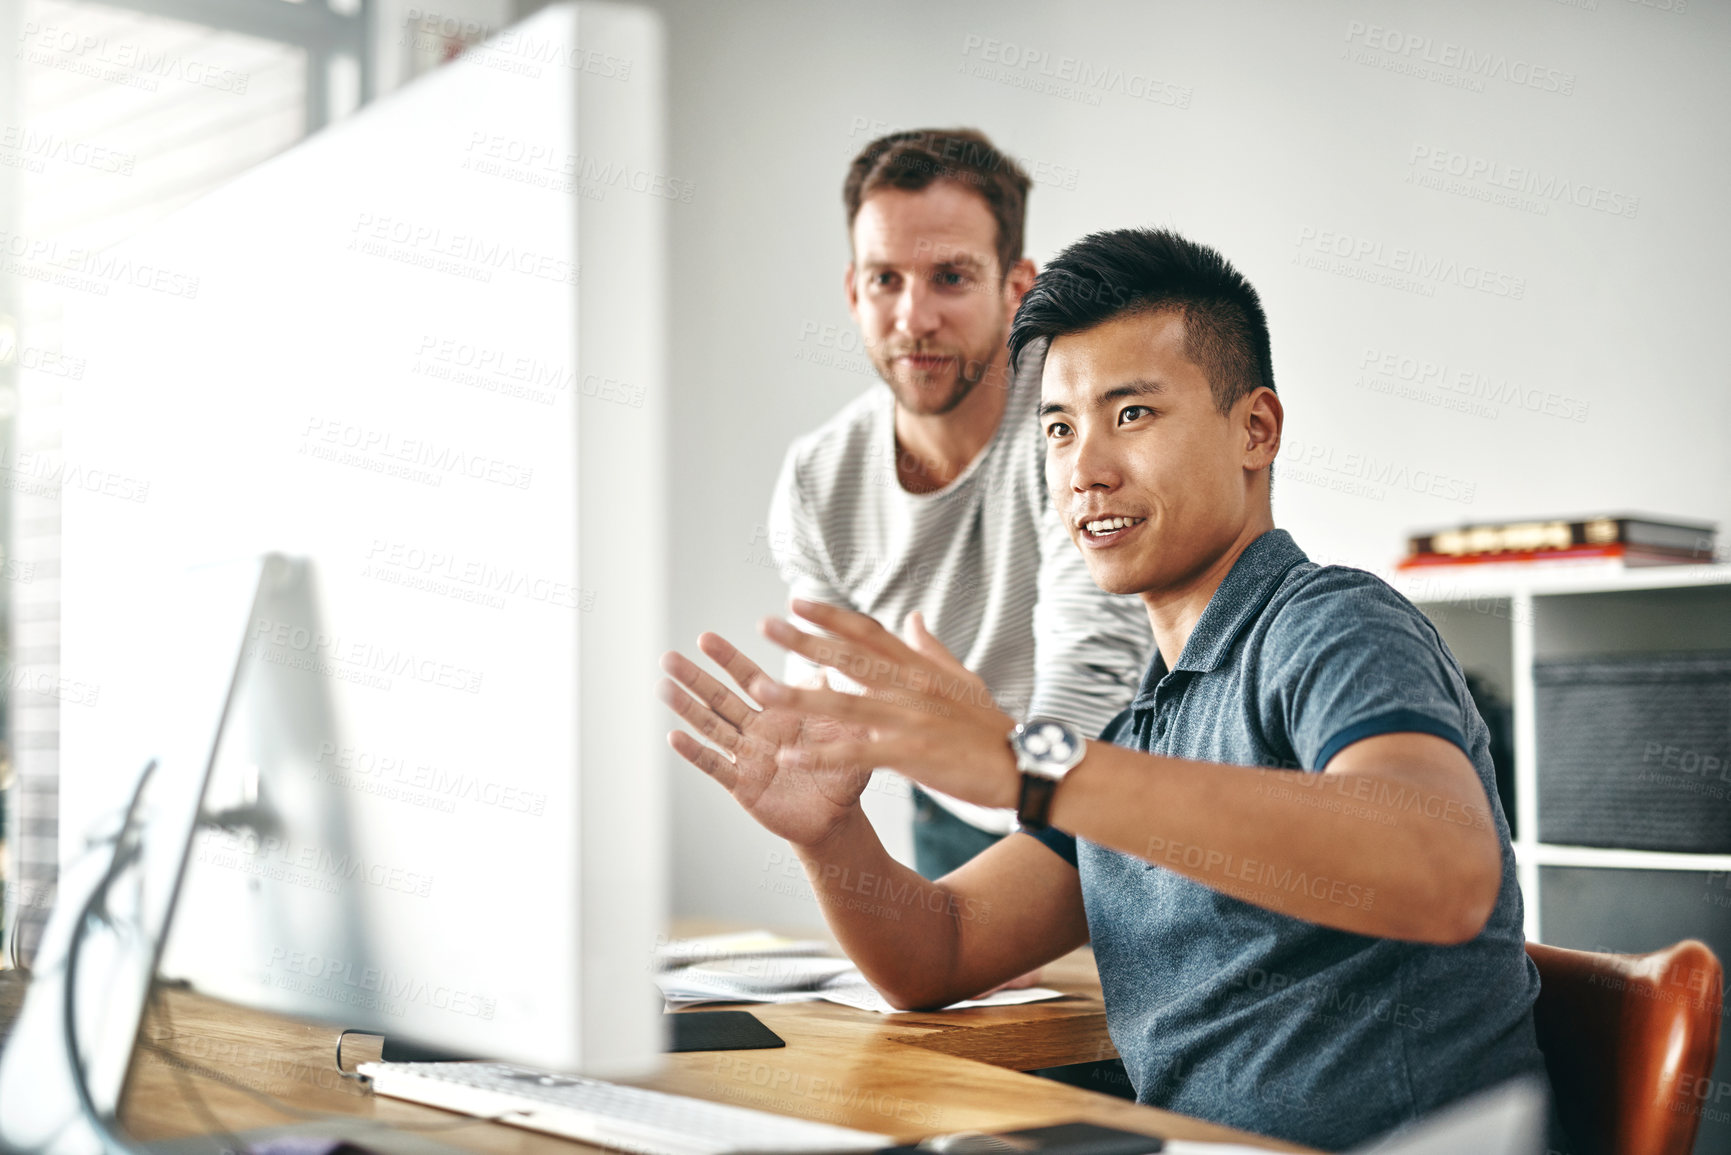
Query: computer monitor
point(419, 356)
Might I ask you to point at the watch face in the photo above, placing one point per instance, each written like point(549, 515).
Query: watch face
point(1050, 746)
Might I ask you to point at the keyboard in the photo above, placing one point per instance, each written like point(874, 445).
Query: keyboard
point(607, 1114)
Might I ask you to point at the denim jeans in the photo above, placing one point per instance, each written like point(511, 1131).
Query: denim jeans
point(942, 842)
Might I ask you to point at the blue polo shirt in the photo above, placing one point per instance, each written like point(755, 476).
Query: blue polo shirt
point(1225, 1010)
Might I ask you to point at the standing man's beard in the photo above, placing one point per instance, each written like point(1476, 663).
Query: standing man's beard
point(919, 397)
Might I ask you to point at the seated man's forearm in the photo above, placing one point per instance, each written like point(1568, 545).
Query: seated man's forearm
point(896, 926)
point(1014, 907)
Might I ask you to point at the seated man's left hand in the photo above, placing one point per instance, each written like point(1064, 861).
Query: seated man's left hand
point(923, 713)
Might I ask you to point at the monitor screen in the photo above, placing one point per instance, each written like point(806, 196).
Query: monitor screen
point(420, 356)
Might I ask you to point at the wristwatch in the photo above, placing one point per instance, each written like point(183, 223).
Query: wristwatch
point(1045, 750)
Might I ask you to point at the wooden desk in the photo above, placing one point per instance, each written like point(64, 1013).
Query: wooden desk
point(908, 1075)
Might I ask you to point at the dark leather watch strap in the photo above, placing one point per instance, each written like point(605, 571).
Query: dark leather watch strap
point(1035, 805)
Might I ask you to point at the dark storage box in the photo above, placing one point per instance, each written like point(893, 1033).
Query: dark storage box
point(1635, 751)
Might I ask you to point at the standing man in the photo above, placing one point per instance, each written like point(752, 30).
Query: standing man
point(927, 496)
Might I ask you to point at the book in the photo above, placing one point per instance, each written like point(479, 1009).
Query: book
point(1629, 555)
point(1630, 539)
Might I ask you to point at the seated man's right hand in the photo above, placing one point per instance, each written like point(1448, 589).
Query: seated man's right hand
point(802, 805)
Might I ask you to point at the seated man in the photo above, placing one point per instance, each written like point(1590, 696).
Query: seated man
point(1287, 852)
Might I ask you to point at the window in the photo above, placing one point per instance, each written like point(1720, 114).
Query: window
point(112, 115)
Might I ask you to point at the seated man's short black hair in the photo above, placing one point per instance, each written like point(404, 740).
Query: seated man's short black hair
point(1129, 271)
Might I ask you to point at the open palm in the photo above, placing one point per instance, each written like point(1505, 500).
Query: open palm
point(802, 804)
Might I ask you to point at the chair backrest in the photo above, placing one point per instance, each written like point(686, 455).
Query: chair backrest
point(1629, 1041)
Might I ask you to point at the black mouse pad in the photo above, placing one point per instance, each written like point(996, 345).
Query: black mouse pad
point(719, 1031)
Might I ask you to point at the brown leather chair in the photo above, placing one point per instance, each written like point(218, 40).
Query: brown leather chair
point(1629, 1041)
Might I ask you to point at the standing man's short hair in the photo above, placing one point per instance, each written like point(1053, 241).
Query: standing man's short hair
point(914, 160)
point(1128, 271)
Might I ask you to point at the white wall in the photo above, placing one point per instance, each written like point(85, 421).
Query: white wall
point(1274, 136)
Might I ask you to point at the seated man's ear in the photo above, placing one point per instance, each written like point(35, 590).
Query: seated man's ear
point(1262, 418)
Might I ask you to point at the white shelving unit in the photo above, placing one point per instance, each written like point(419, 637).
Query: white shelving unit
point(1500, 619)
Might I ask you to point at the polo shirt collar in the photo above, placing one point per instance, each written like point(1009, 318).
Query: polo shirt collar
point(1240, 597)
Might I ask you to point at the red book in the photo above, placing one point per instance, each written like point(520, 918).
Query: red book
point(1632, 555)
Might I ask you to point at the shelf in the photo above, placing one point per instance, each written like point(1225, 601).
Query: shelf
point(1446, 585)
point(1552, 854)
point(1504, 621)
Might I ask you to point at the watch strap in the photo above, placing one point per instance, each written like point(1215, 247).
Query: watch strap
point(1035, 805)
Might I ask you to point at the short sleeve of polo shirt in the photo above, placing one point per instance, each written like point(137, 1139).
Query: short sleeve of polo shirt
point(1347, 658)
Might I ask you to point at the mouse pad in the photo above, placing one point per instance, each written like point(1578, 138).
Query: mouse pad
point(719, 1031)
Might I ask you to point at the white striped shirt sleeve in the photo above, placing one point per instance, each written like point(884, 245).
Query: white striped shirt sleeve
point(800, 557)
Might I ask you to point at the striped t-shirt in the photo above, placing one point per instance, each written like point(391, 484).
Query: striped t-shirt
point(986, 559)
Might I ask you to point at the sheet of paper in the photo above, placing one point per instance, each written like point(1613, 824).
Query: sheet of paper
point(796, 980)
point(751, 978)
point(750, 943)
point(854, 991)
point(692, 999)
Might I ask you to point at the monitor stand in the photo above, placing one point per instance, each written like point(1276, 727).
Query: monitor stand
point(116, 900)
